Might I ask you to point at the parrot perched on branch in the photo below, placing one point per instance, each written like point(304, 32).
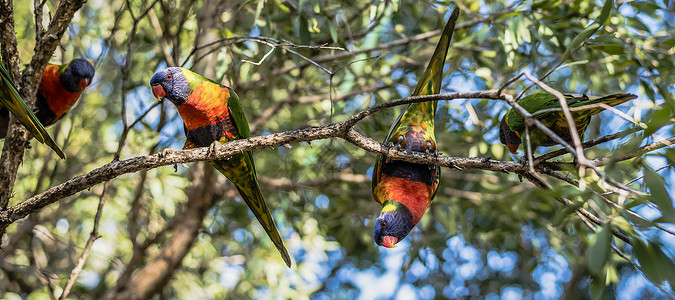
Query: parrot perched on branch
point(512, 126)
point(405, 189)
point(212, 112)
point(11, 101)
point(60, 88)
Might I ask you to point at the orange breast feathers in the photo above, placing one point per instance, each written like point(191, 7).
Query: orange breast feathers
point(58, 98)
point(207, 105)
point(414, 195)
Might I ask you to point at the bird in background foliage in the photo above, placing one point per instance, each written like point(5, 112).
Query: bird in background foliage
point(405, 189)
point(11, 101)
point(512, 126)
point(59, 90)
point(212, 112)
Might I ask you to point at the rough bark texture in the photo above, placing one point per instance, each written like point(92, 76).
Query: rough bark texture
point(336, 130)
point(12, 152)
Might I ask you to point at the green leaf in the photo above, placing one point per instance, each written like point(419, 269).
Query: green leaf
point(648, 258)
point(598, 249)
point(604, 14)
point(303, 30)
point(580, 38)
point(659, 119)
point(562, 214)
point(667, 96)
point(333, 32)
point(588, 32)
point(614, 49)
point(258, 9)
point(648, 90)
point(642, 223)
point(597, 288)
point(637, 24)
point(660, 197)
point(666, 263)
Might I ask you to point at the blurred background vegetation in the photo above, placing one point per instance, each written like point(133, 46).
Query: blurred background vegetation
point(486, 234)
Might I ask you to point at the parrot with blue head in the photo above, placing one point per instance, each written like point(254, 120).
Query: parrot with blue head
point(405, 190)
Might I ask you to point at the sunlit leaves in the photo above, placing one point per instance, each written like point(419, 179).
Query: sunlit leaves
point(589, 31)
point(655, 263)
point(660, 196)
point(599, 249)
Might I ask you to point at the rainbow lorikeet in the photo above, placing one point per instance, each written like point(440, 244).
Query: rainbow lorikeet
point(404, 189)
point(60, 88)
point(512, 126)
point(11, 101)
point(212, 112)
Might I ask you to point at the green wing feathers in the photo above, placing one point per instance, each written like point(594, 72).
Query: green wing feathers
point(428, 84)
point(541, 101)
point(244, 178)
point(10, 98)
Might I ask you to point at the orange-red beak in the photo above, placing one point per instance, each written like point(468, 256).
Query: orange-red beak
point(158, 91)
point(389, 241)
point(513, 148)
point(84, 82)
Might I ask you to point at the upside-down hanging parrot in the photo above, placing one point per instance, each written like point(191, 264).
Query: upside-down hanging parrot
point(11, 101)
point(212, 112)
point(60, 88)
point(512, 126)
point(405, 189)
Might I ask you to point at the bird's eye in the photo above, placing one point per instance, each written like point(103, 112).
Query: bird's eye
point(383, 224)
point(169, 76)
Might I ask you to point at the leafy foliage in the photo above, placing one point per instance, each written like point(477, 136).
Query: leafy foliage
point(486, 234)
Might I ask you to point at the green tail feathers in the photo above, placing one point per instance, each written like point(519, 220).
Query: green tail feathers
point(10, 98)
point(428, 84)
point(256, 203)
point(244, 179)
point(611, 100)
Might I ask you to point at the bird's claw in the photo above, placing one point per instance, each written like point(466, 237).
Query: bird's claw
point(522, 160)
point(486, 160)
point(164, 153)
point(435, 153)
point(453, 165)
point(213, 148)
point(505, 171)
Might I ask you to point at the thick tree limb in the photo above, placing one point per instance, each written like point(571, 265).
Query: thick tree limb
point(342, 130)
point(12, 153)
point(170, 157)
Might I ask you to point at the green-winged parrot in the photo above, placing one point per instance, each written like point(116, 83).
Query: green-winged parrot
point(404, 189)
point(212, 112)
point(512, 126)
point(11, 101)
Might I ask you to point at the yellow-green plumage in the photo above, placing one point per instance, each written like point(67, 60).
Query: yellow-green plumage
point(211, 113)
point(555, 120)
point(10, 99)
point(405, 190)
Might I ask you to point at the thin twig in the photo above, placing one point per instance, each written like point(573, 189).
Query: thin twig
point(87, 248)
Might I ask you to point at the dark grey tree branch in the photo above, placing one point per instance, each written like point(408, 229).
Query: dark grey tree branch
point(343, 130)
point(170, 157)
